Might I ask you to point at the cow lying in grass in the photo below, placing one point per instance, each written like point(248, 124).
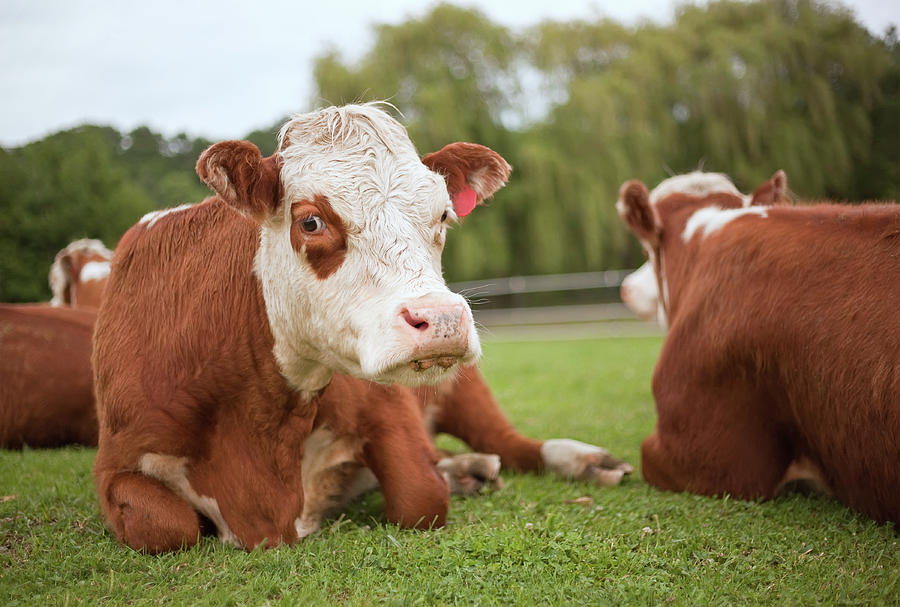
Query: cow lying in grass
point(782, 359)
point(225, 321)
point(45, 376)
point(46, 397)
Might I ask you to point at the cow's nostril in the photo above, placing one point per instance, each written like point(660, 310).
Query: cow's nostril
point(415, 323)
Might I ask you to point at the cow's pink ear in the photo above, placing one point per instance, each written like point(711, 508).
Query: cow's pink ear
point(773, 191)
point(237, 172)
point(635, 210)
point(472, 172)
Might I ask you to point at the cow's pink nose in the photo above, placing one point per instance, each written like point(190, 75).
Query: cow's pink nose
point(436, 328)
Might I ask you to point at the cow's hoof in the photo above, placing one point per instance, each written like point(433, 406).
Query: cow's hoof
point(468, 473)
point(579, 461)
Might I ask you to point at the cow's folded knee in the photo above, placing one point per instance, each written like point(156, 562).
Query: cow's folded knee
point(146, 516)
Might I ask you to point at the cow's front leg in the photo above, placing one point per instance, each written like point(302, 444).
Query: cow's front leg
point(579, 461)
point(402, 457)
point(145, 514)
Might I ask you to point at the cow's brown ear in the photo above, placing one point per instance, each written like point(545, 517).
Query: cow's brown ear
point(237, 172)
point(635, 210)
point(473, 173)
point(773, 191)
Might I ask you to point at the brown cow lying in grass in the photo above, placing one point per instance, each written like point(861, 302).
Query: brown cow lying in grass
point(782, 359)
point(46, 397)
point(45, 376)
point(225, 321)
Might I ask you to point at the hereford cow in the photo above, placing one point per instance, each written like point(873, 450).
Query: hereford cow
point(782, 359)
point(223, 321)
point(46, 397)
point(45, 376)
point(78, 274)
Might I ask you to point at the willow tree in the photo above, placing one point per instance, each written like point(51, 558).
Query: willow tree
point(579, 107)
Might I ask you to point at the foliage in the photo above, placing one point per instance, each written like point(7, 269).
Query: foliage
point(539, 541)
point(576, 107)
point(742, 88)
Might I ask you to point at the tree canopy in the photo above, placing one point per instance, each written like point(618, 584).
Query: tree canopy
point(577, 108)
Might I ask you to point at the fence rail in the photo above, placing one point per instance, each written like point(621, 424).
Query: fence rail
point(545, 283)
point(576, 321)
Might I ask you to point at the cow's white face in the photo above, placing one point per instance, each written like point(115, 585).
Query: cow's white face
point(640, 293)
point(350, 256)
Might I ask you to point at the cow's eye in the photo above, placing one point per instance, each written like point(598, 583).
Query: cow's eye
point(444, 217)
point(312, 224)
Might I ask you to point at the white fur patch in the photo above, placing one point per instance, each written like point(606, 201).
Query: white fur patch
point(696, 183)
point(94, 270)
point(153, 216)
point(172, 472)
point(328, 480)
point(640, 292)
point(712, 219)
point(560, 455)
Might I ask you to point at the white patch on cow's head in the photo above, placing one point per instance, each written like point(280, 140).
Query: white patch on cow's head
point(153, 216)
point(712, 219)
point(343, 312)
point(94, 270)
point(696, 183)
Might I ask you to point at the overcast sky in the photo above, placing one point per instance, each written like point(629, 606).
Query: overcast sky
point(221, 68)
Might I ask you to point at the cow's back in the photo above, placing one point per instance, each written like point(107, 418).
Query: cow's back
point(802, 304)
point(45, 376)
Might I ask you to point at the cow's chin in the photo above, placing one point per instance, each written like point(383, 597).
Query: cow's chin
point(422, 372)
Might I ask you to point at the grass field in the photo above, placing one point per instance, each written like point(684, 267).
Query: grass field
point(538, 541)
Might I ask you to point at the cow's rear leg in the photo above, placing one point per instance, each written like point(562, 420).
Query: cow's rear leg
point(145, 515)
point(468, 473)
point(468, 411)
point(575, 460)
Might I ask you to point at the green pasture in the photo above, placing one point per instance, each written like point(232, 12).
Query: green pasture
point(539, 541)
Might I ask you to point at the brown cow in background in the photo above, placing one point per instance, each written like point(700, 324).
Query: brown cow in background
point(45, 376)
point(46, 394)
point(782, 359)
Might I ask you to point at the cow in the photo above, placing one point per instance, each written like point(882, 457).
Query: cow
point(223, 322)
point(782, 359)
point(639, 289)
point(45, 376)
point(46, 397)
point(78, 274)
